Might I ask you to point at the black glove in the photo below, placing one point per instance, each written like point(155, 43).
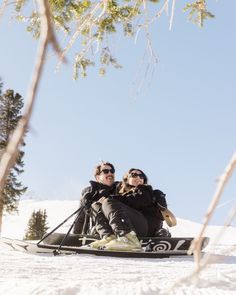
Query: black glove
point(88, 199)
point(159, 199)
point(103, 193)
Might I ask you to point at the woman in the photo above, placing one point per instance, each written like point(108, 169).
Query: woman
point(121, 218)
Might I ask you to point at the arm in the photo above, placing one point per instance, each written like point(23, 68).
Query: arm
point(138, 199)
point(159, 199)
point(79, 223)
point(160, 203)
point(87, 198)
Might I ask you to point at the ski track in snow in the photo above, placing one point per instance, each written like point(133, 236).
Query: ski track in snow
point(27, 274)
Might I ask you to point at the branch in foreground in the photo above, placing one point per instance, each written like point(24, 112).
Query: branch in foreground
point(3, 6)
point(46, 36)
point(195, 247)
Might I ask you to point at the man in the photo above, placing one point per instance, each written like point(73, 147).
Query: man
point(105, 183)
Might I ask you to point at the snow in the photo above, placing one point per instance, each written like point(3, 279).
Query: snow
point(28, 274)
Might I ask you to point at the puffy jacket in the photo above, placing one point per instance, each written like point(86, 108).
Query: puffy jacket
point(90, 195)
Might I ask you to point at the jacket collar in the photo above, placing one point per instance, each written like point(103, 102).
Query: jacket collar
point(98, 186)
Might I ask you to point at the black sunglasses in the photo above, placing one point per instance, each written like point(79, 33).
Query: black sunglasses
point(106, 171)
point(134, 175)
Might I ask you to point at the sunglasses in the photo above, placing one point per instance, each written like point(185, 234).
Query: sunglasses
point(135, 175)
point(106, 171)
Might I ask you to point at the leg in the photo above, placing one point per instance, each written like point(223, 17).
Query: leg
point(102, 227)
point(123, 218)
point(126, 222)
point(101, 223)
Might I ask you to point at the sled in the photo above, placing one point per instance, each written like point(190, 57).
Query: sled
point(152, 247)
point(58, 243)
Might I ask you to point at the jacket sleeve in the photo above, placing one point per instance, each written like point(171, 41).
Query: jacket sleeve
point(79, 224)
point(140, 198)
point(159, 198)
point(87, 198)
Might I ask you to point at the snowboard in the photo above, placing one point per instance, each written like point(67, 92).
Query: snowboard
point(151, 248)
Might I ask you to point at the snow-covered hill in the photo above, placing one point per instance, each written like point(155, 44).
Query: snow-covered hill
point(77, 274)
point(57, 211)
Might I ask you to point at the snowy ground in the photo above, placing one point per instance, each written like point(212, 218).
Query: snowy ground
point(77, 274)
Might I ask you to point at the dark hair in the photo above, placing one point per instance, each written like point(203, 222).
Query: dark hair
point(97, 169)
point(125, 186)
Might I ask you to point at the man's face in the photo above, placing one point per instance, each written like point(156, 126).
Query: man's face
point(106, 176)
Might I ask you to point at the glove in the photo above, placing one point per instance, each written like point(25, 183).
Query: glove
point(159, 199)
point(88, 199)
point(103, 193)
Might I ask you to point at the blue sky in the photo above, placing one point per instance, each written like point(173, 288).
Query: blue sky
point(180, 128)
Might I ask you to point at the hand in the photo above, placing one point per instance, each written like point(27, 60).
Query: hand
point(104, 193)
point(88, 199)
point(159, 199)
point(101, 199)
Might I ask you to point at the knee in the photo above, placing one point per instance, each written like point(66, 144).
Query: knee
point(109, 205)
point(109, 202)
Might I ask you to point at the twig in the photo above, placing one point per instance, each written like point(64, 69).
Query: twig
point(229, 219)
point(207, 258)
point(172, 14)
point(46, 36)
point(196, 245)
point(3, 6)
point(83, 22)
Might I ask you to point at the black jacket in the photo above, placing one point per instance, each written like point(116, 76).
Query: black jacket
point(144, 199)
point(90, 195)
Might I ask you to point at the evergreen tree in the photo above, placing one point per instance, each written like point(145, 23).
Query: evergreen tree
point(37, 225)
point(10, 108)
point(1, 84)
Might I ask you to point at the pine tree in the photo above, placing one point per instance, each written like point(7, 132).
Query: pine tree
point(37, 225)
point(10, 108)
point(1, 84)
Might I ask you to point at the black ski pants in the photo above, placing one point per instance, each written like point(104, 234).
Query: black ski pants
point(114, 217)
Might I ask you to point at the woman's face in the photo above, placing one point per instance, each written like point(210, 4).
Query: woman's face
point(135, 178)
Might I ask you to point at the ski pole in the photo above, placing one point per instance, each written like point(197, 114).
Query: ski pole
point(52, 231)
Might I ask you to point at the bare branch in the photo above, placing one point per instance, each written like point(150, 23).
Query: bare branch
point(195, 247)
point(3, 6)
point(12, 149)
point(149, 21)
point(208, 258)
point(87, 20)
point(172, 14)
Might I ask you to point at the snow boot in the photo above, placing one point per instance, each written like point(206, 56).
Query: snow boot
point(100, 243)
point(162, 232)
point(129, 242)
